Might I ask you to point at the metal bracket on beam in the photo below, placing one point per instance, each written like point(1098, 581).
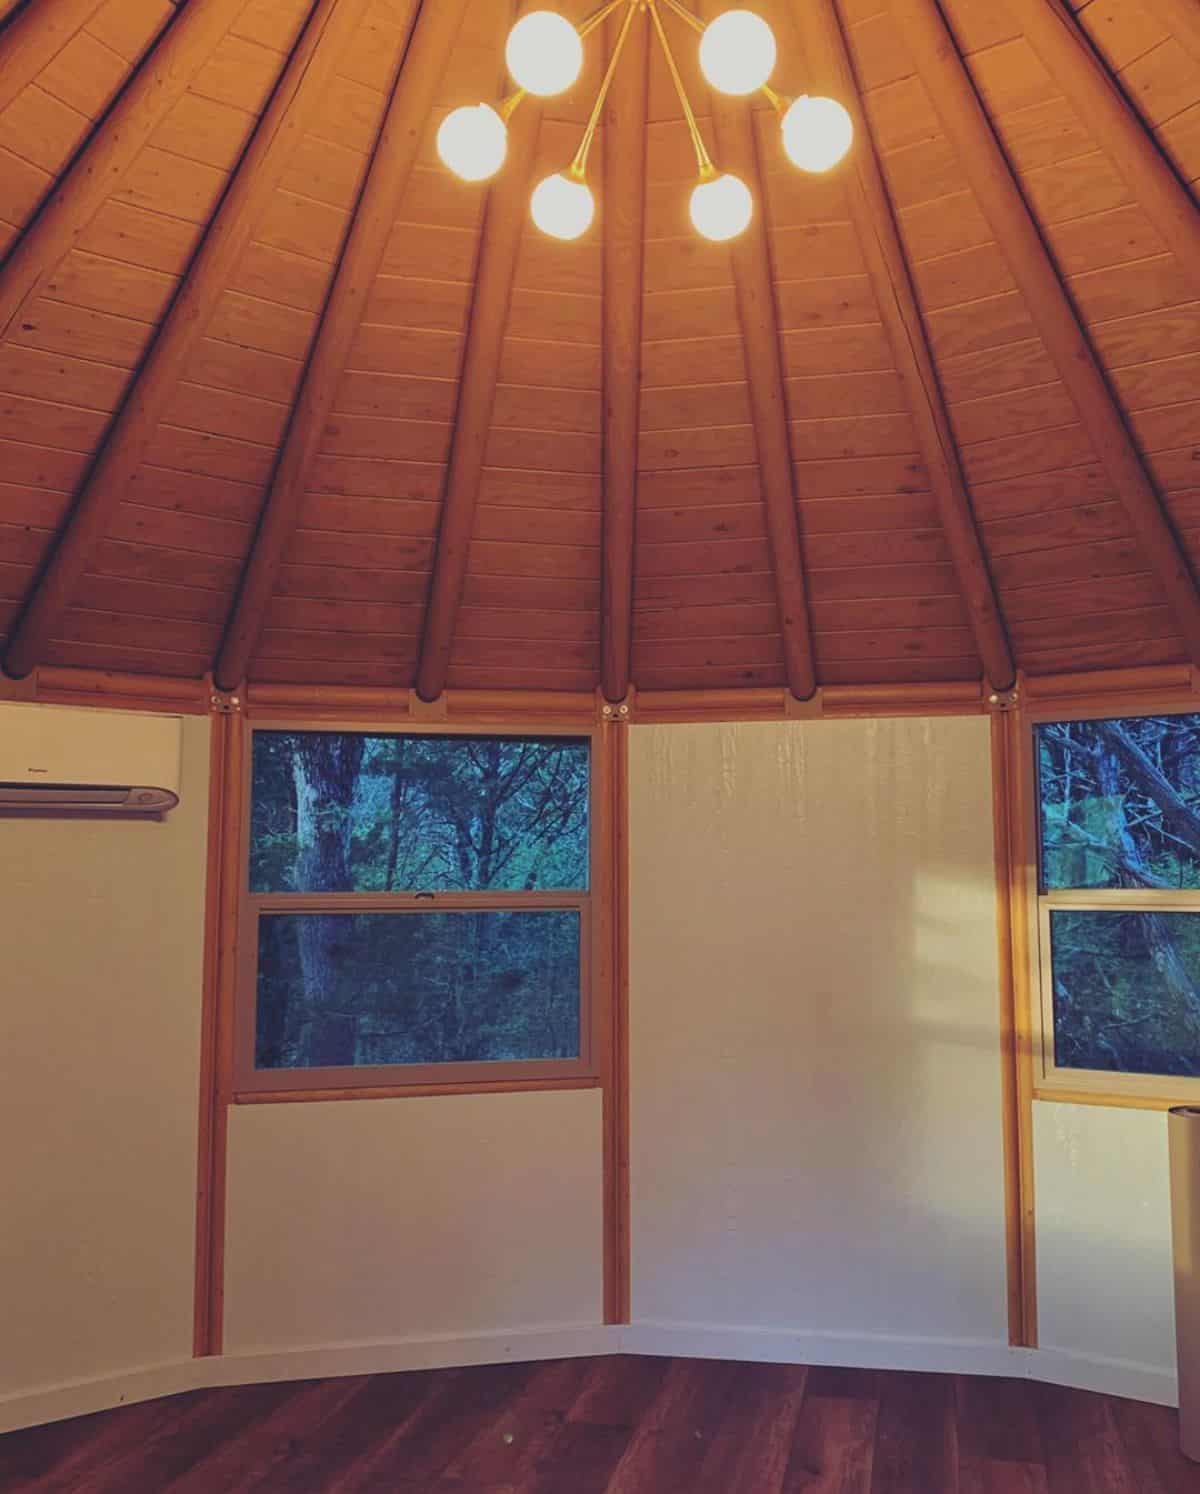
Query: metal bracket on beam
point(619, 712)
point(224, 702)
point(1003, 700)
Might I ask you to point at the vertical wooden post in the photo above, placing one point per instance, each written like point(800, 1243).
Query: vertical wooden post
point(624, 233)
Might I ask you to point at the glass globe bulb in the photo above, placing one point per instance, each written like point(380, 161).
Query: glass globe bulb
point(562, 207)
point(737, 52)
point(473, 142)
point(544, 53)
point(817, 133)
point(722, 207)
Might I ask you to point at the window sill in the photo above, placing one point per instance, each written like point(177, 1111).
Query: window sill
point(413, 1091)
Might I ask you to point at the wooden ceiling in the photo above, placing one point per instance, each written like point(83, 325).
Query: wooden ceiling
point(282, 399)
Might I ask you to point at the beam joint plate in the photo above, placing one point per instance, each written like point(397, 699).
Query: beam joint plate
point(795, 709)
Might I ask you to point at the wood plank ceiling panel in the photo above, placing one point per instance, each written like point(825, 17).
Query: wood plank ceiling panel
point(372, 499)
point(1047, 512)
point(344, 598)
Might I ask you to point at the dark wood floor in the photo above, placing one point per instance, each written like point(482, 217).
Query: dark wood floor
point(614, 1426)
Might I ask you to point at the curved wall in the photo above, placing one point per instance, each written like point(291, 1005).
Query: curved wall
point(816, 1111)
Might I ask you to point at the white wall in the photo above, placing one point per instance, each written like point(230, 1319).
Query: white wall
point(1104, 1276)
point(379, 1220)
point(101, 928)
point(816, 1113)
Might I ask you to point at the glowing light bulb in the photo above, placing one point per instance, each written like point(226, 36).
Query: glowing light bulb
point(722, 207)
point(817, 133)
point(473, 142)
point(544, 53)
point(737, 52)
point(562, 207)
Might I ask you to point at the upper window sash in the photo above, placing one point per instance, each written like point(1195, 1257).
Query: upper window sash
point(383, 812)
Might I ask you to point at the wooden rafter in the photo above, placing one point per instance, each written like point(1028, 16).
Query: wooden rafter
point(504, 221)
point(34, 37)
point(751, 256)
point(875, 224)
point(300, 93)
point(953, 95)
point(1182, 19)
point(624, 221)
point(412, 99)
point(160, 80)
point(1092, 92)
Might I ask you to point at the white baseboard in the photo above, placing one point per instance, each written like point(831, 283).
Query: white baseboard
point(251, 1367)
point(571, 1341)
point(29, 1408)
point(1120, 1377)
point(444, 1351)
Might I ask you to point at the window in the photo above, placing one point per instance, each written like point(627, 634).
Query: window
point(1118, 807)
point(417, 910)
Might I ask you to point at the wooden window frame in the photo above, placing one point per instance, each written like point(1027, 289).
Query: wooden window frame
point(254, 1085)
point(1087, 1086)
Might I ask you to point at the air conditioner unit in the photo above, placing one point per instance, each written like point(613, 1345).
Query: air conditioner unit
point(59, 760)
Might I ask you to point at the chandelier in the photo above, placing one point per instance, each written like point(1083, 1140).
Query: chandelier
point(544, 55)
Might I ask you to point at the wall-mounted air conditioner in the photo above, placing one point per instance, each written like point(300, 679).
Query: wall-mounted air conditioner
point(59, 760)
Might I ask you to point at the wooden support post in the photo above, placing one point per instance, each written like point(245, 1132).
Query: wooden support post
point(624, 221)
point(294, 103)
point(969, 130)
point(34, 37)
point(751, 255)
point(507, 211)
point(875, 224)
point(160, 80)
point(1055, 35)
point(395, 154)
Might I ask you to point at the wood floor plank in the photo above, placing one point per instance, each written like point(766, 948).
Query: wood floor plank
point(66, 1449)
point(420, 1451)
point(1081, 1442)
point(213, 1418)
point(380, 1408)
point(1000, 1448)
point(915, 1443)
point(616, 1394)
point(613, 1425)
point(1150, 1438)
point(669, 1446)
point(751, 1445)
point(833, 1448)
point(258, 1458)
point(506, 1453)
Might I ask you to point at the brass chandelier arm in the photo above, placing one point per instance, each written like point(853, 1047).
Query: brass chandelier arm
point(686, 15)
point(598, 17)
point(703, 159)
point(579, 165)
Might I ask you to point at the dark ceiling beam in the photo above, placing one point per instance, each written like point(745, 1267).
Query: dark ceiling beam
point(624, 224)
point(874, 220)
point(414, 93)
point(952, 93)
point(158, 82)
point(504, 222)
point(292, 107)
point(1113, 122)
point(34, 37)
point(755, 291)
